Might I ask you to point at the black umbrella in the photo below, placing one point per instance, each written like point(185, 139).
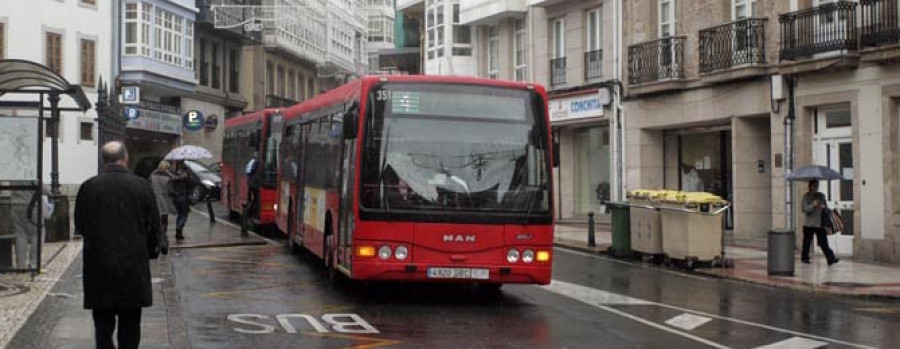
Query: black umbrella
point(813, 172)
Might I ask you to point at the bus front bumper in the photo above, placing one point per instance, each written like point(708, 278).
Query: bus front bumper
point(420, 272)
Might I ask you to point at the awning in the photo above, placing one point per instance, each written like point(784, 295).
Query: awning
point(21, 76)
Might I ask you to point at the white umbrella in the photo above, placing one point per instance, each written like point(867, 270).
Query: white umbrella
point(188, 152)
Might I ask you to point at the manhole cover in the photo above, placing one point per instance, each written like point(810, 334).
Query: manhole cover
point(846, 284)
point(9, 290)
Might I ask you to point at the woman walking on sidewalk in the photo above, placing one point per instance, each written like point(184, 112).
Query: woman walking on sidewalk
point(814, 205)
point(179, 192)
point(161, 179)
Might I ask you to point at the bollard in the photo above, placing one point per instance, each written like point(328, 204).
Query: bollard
point(591, 241)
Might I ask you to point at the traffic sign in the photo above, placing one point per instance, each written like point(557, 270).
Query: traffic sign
point(132, 113)
point(130, 95)
point(193, 120)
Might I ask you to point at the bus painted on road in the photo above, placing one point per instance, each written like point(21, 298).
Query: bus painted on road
point(247, 136)
point(421, 178)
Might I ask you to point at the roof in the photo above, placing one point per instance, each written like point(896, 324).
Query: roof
point(21, 76)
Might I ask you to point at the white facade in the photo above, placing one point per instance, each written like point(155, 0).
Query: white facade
point(448, 44)
point(380, 29)
point(27, 24)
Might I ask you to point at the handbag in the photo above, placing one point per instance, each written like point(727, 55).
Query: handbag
point(837, 224)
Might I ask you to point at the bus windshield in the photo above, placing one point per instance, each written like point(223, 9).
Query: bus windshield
point(455, 148)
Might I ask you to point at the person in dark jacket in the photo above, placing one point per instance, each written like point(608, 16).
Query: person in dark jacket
point(117, 214)
point(814, 205)
point(180, 181)
point(160, 180)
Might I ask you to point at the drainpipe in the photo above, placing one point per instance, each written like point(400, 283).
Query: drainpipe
point(619, 91)
point(789, 155)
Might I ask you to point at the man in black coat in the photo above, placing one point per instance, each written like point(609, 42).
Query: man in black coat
point(116, 213)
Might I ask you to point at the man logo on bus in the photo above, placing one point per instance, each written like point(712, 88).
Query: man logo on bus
point(459, 238)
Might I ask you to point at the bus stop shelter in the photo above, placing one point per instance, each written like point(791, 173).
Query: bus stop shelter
point(30, 95)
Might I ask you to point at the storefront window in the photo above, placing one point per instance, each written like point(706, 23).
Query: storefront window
point(592, 169)
point(706, 163)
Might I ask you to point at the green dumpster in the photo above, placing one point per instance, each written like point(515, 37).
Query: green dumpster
point(621, 230)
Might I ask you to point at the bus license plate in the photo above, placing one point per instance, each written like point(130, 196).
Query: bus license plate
point(458, 273)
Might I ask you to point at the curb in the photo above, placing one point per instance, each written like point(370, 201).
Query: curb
point(813, 291)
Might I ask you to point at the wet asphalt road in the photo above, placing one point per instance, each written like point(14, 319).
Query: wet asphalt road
point(266, 297)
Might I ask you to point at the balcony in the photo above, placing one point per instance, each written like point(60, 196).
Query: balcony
point(478, 12)
point(880, 25)
point(880, 30)
point(657, 60)
point(736, 44)
point(822, 29)
point(593, 67)
point(273, 101)
point(557, 72)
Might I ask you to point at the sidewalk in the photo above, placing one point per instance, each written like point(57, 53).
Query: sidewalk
point(47, 312)
point(847, 278)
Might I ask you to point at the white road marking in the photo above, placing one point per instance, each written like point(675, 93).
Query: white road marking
point(601, 299)
point(795, 343)
point(596, 298)
point(688, 321)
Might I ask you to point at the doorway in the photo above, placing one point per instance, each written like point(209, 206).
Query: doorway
point(833, 147)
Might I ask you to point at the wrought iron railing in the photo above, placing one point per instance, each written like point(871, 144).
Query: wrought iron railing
point(273, 101)
point(824, 28)
point(733, 44)
point(656, 60)
point(593, 66)
point(557, 72)
point(880, 24)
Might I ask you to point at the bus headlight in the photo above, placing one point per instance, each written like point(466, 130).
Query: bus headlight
point(384, 252)
point(401, 253)
point(512, 255)
point(528, 256)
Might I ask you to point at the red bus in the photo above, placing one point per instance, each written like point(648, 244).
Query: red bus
point(246, 136)
point(421, 178)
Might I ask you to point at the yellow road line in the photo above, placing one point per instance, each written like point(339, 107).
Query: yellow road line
point(376, 342)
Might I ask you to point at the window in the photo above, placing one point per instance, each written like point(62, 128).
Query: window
point(86, 131)
point(559, 38)
point(89, 2)
point(2, 40)
point(203, 70)
point(595, 30)
point(741, 9)
point(170, 39)
point(666, 18)
point(216, 68)
point(493, 53)
point(281, 82)
point(146, 14)
point(131, 29)
point(291, 85)
point(270, 78)
point(189, 44)
point(519, 42)
point(53, 52)
point(434, 24)
point(88, 62)
point(462, 36)
point(233, 76)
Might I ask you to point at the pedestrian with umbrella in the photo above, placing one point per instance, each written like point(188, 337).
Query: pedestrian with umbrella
point(815, 207)
point(180, 183)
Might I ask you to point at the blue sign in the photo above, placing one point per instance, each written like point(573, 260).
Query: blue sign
point(193, 120)
point(132, 113)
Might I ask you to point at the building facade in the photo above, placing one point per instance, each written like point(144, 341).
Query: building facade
point(217, 70)
point(575, 57)
point(842, 58)
point(380, 30)
point(73, 38)
point(446, 43)
point(157, 60)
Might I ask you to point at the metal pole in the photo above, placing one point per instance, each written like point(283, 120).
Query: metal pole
point(591, 241)
point(789, 155)
point(54, 143)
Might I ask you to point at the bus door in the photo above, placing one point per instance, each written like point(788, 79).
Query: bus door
point(301, 178)
point(347, 124)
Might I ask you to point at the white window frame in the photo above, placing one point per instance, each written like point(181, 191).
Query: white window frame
point(559, 38)
point(520, 38)
point(671, 18)
point(493, 35)
point(594, 38)
point(434, 11)
point(749, 5)
point(131, 48)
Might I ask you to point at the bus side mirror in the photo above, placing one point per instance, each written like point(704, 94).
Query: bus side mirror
point(351, 123)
